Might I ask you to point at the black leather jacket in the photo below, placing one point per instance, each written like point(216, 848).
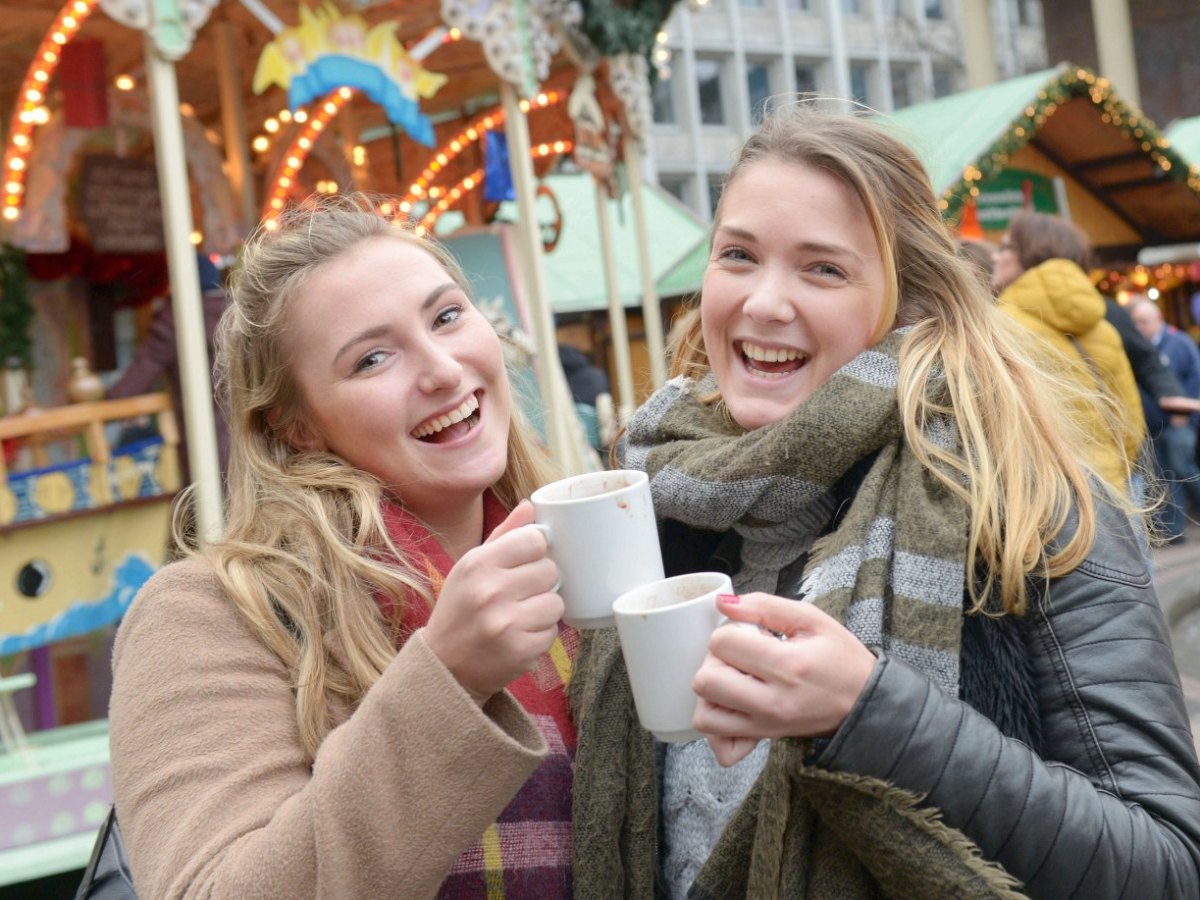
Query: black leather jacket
point(1111, 806)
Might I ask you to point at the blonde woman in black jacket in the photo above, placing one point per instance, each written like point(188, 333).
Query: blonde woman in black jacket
point(976, 697)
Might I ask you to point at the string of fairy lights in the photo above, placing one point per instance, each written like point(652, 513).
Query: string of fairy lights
point(1075, 82)
point(31, 111)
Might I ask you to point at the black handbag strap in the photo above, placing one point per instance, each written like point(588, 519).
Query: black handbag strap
point(107, 876)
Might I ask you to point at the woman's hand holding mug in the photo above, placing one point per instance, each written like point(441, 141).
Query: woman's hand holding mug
point(799, 681)
point(498, 611)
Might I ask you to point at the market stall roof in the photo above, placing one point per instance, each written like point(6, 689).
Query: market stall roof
point(1076, 125)
point(575, 270)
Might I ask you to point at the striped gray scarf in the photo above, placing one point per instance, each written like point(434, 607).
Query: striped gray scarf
point(895, 581)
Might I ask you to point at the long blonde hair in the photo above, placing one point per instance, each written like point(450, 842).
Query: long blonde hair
point(1019, 466)
point(304, 549)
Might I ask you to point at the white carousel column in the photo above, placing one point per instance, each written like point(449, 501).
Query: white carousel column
point(194, 371)
point(555, 402)
point(651, 309)
point(616, 310)
point(233, 122)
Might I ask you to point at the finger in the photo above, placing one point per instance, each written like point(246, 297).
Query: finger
point(522, 514)
point(775, 614)
point(731, 750)
point(731, 689)
point(520, 546)
point(541, 612)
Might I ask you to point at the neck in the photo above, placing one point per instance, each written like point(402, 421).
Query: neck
point(458, 527)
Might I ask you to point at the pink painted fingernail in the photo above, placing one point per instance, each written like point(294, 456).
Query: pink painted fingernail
point(731, 599)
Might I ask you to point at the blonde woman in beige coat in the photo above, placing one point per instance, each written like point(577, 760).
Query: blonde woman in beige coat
point(293, 715)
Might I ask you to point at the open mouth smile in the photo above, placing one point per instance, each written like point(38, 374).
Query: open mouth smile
point(447, 426)
point(771, 362)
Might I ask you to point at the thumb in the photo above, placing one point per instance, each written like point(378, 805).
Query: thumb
point(521, 516)
point(778, 615)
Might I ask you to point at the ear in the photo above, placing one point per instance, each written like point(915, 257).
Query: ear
point(298, 433)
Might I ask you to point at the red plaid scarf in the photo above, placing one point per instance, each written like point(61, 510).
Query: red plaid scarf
point(527, 851)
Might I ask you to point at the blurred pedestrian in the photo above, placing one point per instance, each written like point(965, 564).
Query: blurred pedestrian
point(592, 394)
point(1173, 434)
point(1040, 272)
point(157, 358)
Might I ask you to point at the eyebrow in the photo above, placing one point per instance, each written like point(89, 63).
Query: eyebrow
point(813, 246)
point(376, 331)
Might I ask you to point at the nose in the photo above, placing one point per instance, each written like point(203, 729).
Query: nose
point(440, 371)
point(771, 299)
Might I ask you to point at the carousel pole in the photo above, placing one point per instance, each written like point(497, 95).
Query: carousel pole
point(163, 45)
point(233, 122)
point(555, 402)
point(651, 309)
point(616, 309)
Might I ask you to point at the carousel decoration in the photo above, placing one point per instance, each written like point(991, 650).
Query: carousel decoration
point(327, 51)
point(519, 37)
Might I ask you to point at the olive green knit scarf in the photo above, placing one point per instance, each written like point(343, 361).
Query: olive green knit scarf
point(895, 580)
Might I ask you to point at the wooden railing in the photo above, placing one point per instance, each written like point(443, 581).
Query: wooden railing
point(86, 420)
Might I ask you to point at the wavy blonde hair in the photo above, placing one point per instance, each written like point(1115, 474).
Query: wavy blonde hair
point(1019, 468)
point(304, 549)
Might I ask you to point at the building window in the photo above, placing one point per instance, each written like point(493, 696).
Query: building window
point(893, 9)
point(934, 9)
point(677, 186)
point(806, 78)
point(798, 5)
point(664, 101)
point(852, 7)
point(758, 86)
point(943, 82)
point(708, 80)
point(1026, 14)
point(751, 4)
point(901, 87)
point(860, 78)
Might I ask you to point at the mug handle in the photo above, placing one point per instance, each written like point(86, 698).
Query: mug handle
point(545, 530)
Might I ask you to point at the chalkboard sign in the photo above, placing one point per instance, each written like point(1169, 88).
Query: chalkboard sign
point(119, 204)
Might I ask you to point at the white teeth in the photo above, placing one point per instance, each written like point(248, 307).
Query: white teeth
point(763, 354)
point(433, 426)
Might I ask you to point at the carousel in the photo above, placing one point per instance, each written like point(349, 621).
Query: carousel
point(141, 133)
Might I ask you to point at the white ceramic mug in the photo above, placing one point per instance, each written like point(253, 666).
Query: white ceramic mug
point(664, 629)
point(603, 538)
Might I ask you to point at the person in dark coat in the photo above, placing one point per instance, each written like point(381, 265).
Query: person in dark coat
point(156, 358)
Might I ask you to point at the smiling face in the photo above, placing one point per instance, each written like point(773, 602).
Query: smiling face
point(400, 376)
point(794, 288)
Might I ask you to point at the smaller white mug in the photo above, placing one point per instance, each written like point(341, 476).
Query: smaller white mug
point(603, 537)
point(664, 629)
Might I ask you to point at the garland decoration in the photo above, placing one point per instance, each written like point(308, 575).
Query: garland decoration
point(1071, 83)
point(16, 310)
point(624, 26)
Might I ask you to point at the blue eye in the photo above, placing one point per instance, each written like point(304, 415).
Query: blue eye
point(369, 361)
point(829, 270)
point(448, 316)
point(734, 254)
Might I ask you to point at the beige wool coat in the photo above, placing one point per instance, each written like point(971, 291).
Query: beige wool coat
point(216, 798)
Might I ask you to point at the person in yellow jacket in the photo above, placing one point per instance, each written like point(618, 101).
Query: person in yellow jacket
point(1040, 275)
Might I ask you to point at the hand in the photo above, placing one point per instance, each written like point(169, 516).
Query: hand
point(497, 612)
point(754, 686)
point(1179, 404)
point(1178, 421)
